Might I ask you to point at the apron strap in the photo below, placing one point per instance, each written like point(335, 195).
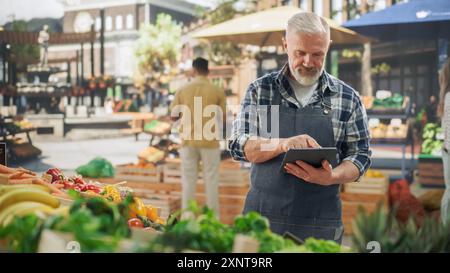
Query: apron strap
point(326, 103)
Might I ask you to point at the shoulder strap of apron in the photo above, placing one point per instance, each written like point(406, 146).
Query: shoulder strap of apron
point(326, 102)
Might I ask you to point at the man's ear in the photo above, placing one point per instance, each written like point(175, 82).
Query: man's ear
point(283, 39)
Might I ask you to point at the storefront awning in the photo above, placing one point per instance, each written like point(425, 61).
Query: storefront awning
point(266, 28)
point(414, 20)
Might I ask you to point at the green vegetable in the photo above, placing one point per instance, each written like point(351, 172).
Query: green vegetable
point(98, 167)
point(22, 234)
point(95, 223)
point(430, 144)
point(395, 101)
point(203, 232)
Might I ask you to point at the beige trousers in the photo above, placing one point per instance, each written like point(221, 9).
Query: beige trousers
point(190, 158)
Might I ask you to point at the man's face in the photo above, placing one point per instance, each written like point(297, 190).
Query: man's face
point(306, 55)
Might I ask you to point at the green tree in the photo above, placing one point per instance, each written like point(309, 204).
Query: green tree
point(23, 54)
point(158, 46)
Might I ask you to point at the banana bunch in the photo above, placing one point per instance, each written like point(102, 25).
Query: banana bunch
point(20, 200)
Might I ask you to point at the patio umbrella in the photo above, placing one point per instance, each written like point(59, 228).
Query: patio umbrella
point(266, 28)
point(415, 20)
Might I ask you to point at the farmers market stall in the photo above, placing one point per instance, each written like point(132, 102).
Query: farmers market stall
point(54, 210)
point(389, 114)
point(15, 132)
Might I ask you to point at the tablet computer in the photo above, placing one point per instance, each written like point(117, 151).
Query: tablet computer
point(312, 156)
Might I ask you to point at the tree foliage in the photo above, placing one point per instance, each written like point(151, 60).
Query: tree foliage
point(23, 54)
point(159, 45)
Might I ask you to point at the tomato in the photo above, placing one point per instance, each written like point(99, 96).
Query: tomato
point(135, 222)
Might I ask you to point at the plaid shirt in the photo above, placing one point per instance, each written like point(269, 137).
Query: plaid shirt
point(350, 126)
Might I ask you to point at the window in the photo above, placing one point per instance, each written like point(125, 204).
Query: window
point(304, 5)
point(119, 22)
point(380, 4)
point(353, 9)
point(336, 10)
point(108, 23)
point(98, 23)
point(318, 7)
point(130, 23)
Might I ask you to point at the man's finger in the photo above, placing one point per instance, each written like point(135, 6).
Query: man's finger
point(308, 168)
point(297, 171)
point(312, 142)
point(326, 165)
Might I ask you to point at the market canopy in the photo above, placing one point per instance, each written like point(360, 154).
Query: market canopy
point(419, 19)
point(266, 28)
point(22, 37)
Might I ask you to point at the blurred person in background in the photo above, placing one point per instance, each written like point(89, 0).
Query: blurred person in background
point(444, 113)
point(198, 144)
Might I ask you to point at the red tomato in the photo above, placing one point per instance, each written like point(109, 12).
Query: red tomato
point(135, 222)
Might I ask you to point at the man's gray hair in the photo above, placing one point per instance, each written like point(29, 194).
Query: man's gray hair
point(308, 22)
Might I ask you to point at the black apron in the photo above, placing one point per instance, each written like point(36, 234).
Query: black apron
point(291, 204)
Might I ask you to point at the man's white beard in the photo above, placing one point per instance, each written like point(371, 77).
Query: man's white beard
point(306, 80)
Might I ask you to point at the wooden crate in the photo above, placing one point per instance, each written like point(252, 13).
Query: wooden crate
point(129, 172)
point(231, 197)
point(230, 205)
point(166, 204)
point(229, 173)
point(351, 202)
point(172, 171)
point(368, 185)
point(431, 172)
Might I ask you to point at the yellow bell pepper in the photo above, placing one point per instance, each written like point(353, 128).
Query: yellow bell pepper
point(160, 221)
point(137, 208)
point(152, 213)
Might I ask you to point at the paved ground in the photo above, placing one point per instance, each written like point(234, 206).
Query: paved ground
point(68, 155)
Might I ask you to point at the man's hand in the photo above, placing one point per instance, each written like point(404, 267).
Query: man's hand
point(322, 176)
point(297, 142)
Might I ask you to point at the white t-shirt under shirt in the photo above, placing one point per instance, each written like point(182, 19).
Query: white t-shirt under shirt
point(302, 93)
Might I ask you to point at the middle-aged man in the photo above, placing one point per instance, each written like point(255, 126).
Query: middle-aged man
point(313, 109)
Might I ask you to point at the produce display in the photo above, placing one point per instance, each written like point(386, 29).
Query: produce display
point(59, 185)
point(18, 200)
point(17, 126)
point(430, 236)
point(407, 206)
point(385, 100)
point(95, 223)
point(379, 130)
point(433, 140)
point(157, 127)
point(202, 231)
point(103, 226)
point(151, 155)
point(392, 102)
point(367, 101)
point(374, 174)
